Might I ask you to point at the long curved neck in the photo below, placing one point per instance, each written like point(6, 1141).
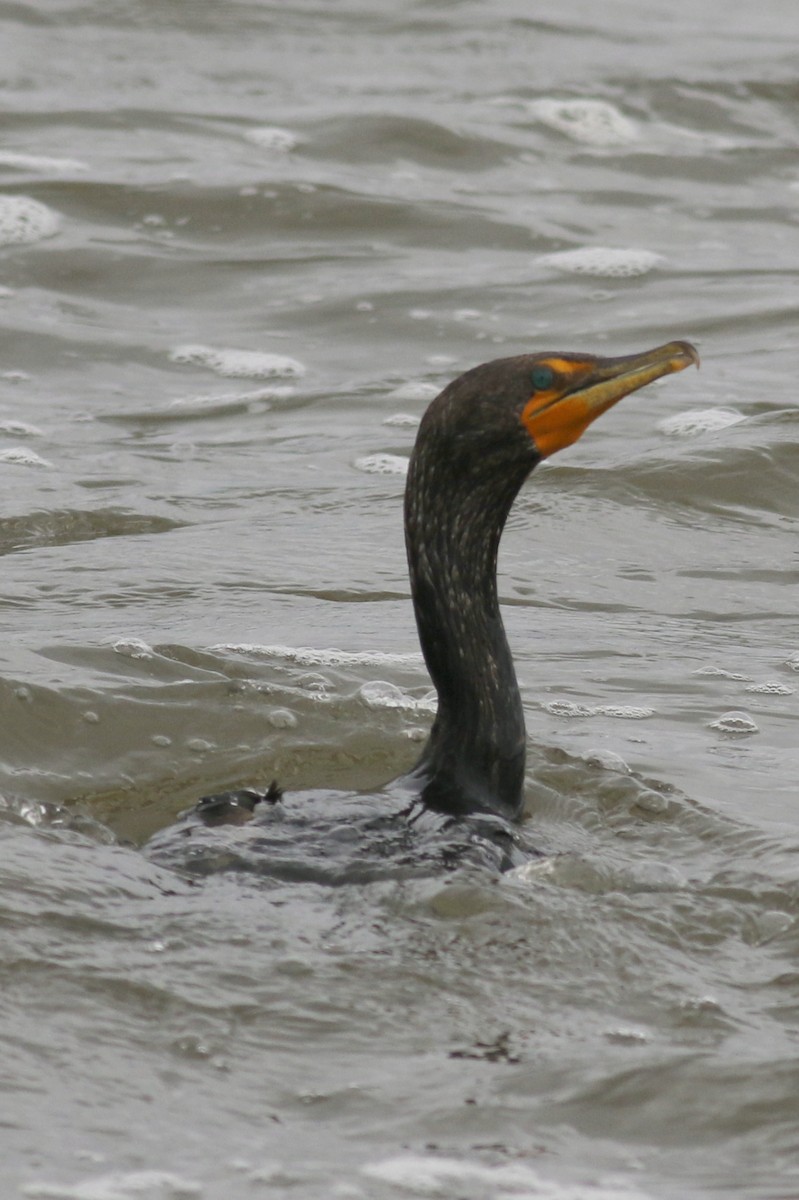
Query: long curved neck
point(474, 758)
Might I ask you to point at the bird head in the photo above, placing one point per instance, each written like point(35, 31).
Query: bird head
point(569, 391)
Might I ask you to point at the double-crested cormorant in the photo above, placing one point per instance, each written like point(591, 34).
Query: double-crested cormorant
point(477, 443)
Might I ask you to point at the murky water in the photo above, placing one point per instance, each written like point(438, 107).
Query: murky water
point(241, 247)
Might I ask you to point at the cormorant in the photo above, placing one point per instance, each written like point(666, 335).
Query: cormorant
point(477, 443)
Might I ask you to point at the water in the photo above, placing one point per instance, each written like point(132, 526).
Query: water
point(242, 246)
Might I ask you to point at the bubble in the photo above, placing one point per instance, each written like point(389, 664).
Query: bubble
point(382, 464)
point(608, 760)
point(651, 802)
point(161, 739)
point(698, 421)
point(593, 122)
point(609, 261)
point(91, 718)
point(721, 673)
point(23, 220)
point(383, 695)
point(243, 364)
point(734, 722)
point(199, 745)
point(282, 718)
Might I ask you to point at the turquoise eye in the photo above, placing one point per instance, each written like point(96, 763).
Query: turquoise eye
point(542, 378)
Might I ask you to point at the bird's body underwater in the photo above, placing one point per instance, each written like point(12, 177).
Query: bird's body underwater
point(477, 443)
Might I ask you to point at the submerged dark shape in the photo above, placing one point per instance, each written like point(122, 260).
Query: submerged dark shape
point(477, 443)
point(235, 808)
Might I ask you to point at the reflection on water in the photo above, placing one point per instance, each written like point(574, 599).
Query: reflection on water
point(239, 255)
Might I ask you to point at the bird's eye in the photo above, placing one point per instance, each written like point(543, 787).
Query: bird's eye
point(542, 378)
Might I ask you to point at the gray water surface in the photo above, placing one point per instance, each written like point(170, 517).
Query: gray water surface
point(241, 247)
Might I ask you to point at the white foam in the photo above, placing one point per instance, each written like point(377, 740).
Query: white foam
point(133, 648)
point(20, 456)
point(208, 405)
point(611, 262)
point(402, 420)
point(625, 712)
point(307, 656)
point(771, 687)
point(24, 220)
point(420, 1175)
point(130, 1185)
point(20, 429)
point(40, 162)
point(414, 390)
point(567, 708)
point(241, 364)
point(382, 464)
point(272, 137)
point(593, 122)
point(698, 421)
point(379, 694)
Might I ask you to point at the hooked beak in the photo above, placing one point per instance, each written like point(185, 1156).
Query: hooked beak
point(584, 387)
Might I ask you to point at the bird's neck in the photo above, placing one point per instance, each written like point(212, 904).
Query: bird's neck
point(474, 758)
